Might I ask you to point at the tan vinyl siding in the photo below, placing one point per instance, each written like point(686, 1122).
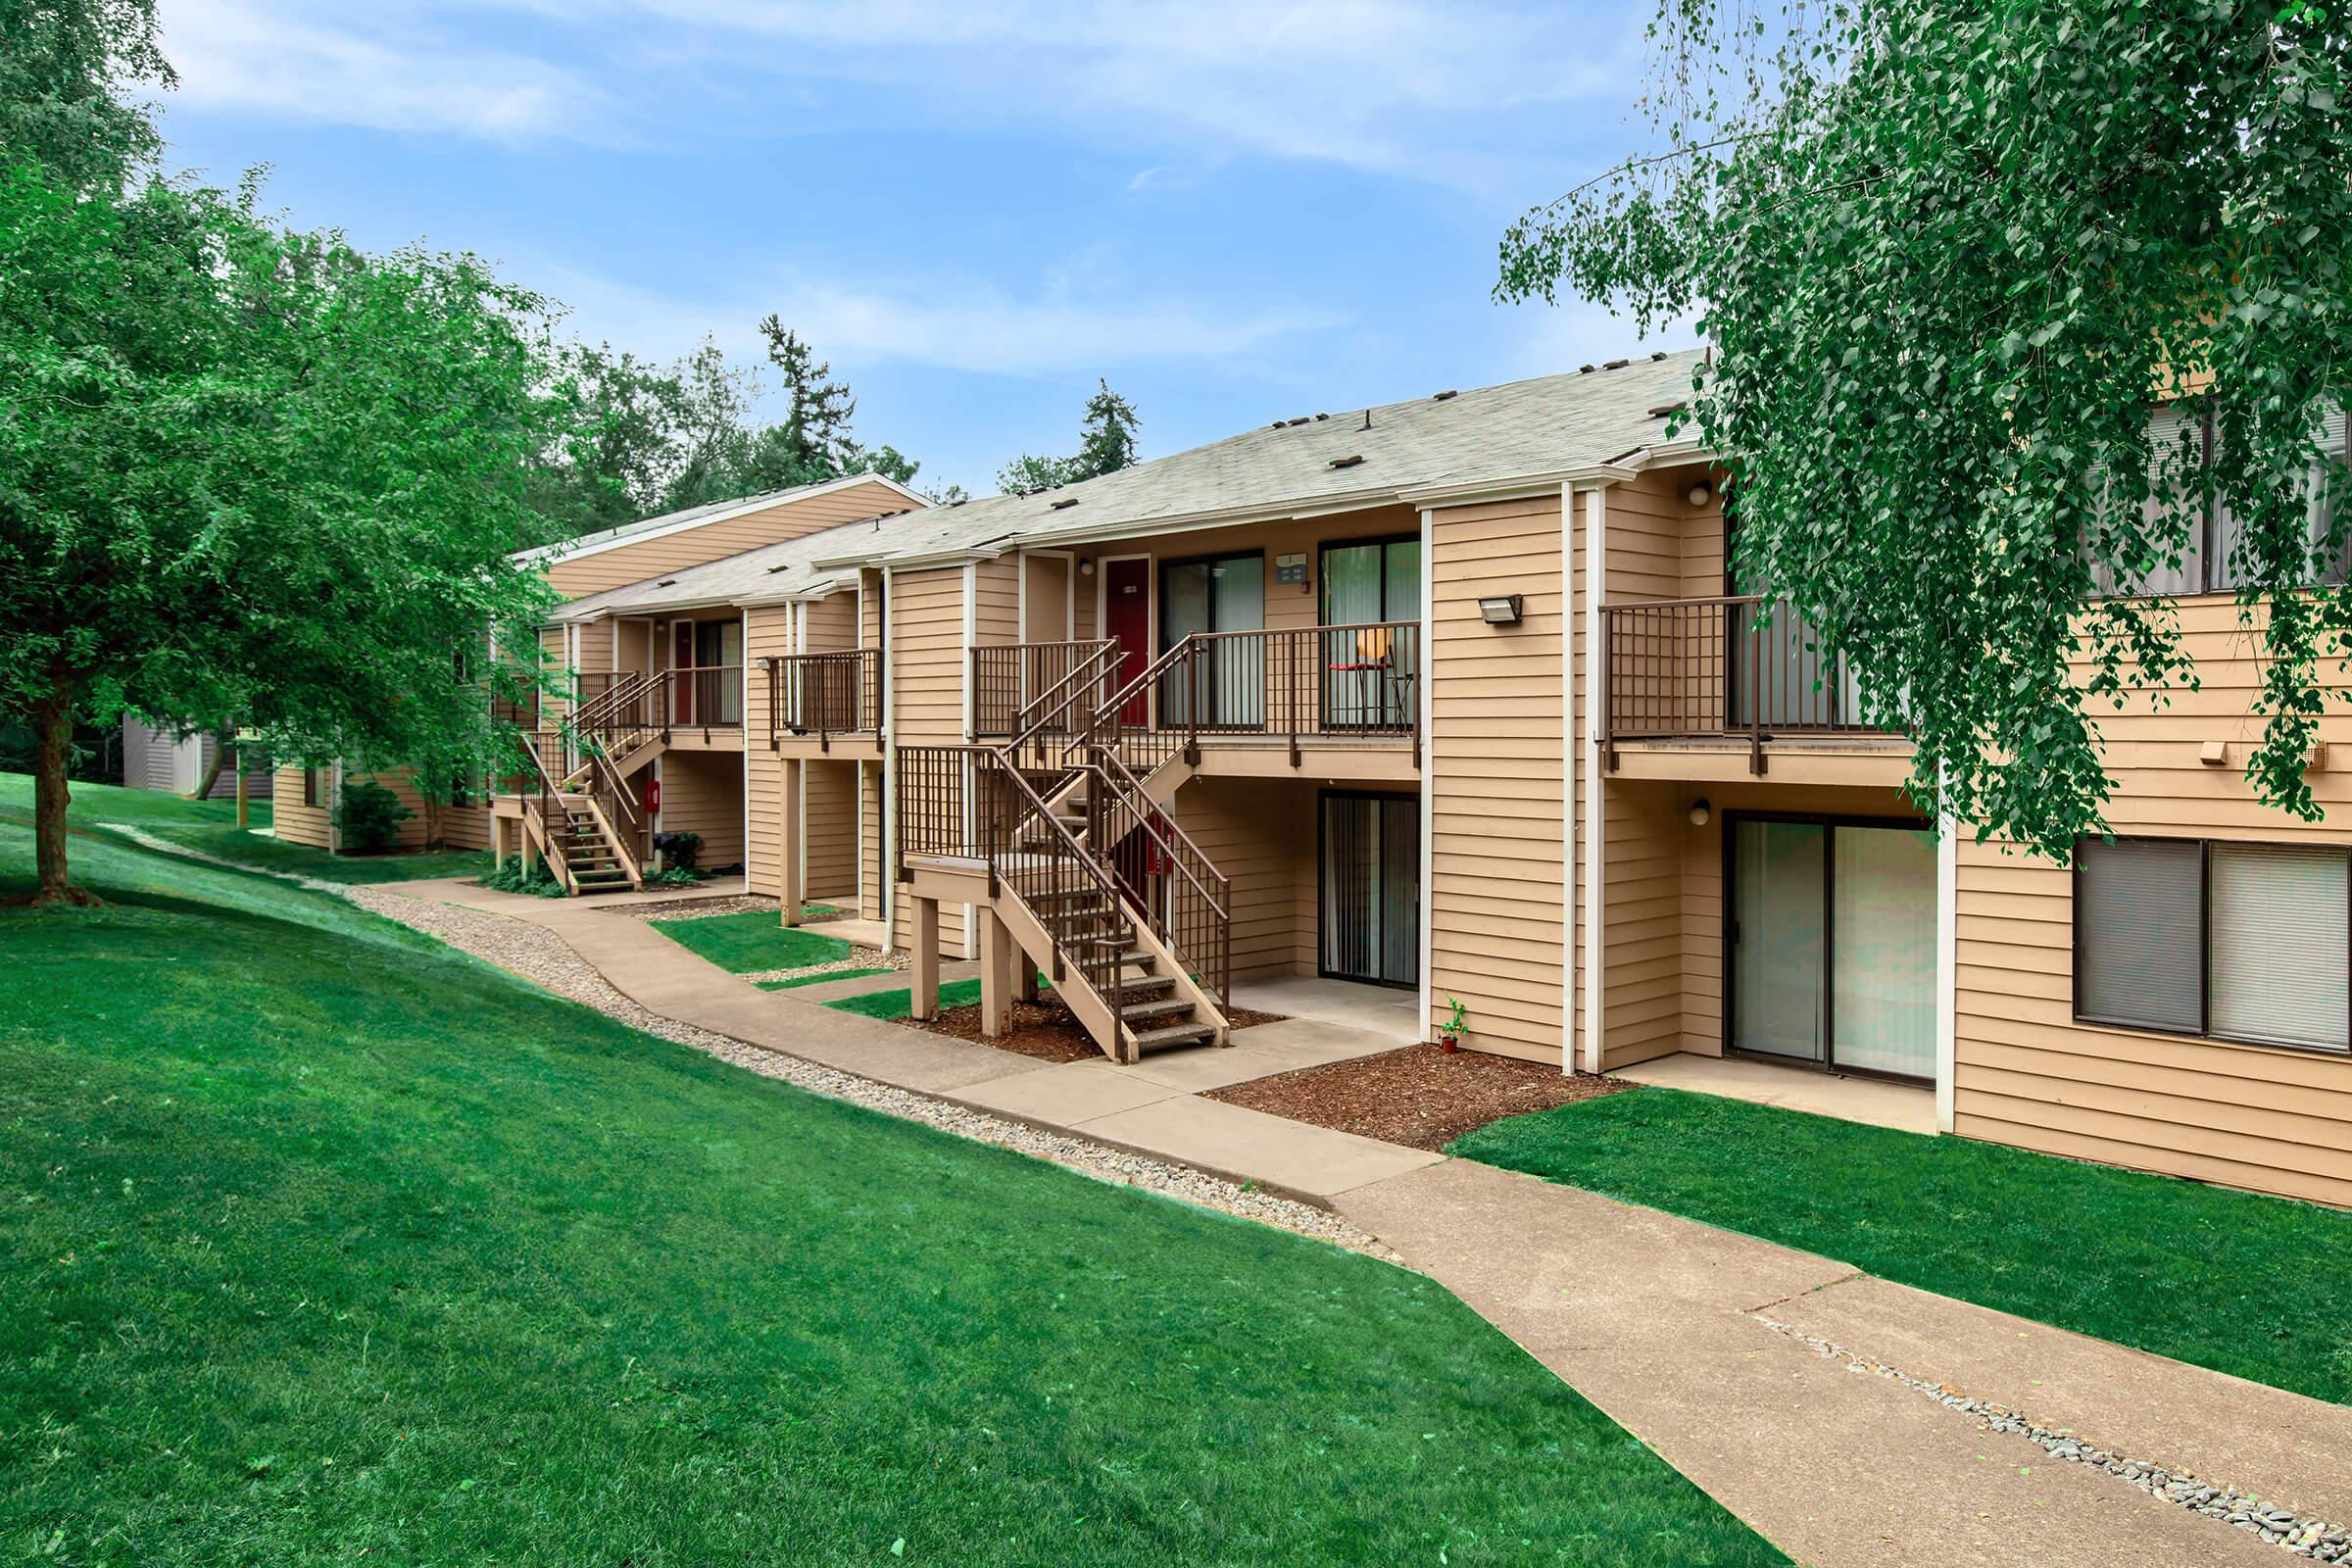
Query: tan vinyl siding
point(701, 792)
point(998, 586)
point(1262, 837)
point(2274, 1119)
point(1492, 766)
point(832, 817)
point(766, 634)
point(832, 624)
point(581, 576)
point(873, 869)
point(927, 692)
point(294, 821)
point(1047, 600)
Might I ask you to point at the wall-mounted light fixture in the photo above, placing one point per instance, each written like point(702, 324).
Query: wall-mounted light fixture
point(1700, 493)
point(1701, 811)
point(1502, 609)
point(1085, 568)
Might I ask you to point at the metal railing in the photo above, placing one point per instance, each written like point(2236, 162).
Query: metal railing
point(1731, 666)
point(705, 697)
point(1012, 682)
point(971, 803)
point(825, 695)
point(1186, 900)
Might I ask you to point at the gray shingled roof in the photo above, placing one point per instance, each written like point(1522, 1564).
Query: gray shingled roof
point(1485, 436)
point(1488, 436)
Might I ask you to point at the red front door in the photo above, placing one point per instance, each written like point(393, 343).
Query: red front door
point(1127, 621)
point(681, 692)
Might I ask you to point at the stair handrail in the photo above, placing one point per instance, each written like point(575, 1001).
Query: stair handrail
point(594, 714)
point(547, 791)
point(1066, 868)
point(1212, 887)
point(1184, 651)
point(1064, 694)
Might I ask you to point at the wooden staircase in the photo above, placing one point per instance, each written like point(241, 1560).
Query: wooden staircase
point(1054, 814)
point(591, 854)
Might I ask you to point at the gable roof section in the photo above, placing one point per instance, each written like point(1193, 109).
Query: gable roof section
point(764, 575)
point(1522, 431)
point(669, 522)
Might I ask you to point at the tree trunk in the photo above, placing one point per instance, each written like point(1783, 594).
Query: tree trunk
point(53, 722)
point(224, 747)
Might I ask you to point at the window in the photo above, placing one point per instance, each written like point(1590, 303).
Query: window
point(2182, 435)
point(2240, 942)
point(310, 786)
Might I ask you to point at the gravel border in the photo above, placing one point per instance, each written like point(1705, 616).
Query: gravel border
point(688, 908)
point(540, 957)
point(2300, 1534)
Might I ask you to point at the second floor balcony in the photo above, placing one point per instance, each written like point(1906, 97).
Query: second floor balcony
point(1287, 687)
point(820, 697)
point(1735, 667)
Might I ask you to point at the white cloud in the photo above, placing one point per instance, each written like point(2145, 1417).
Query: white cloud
point(948, 323)
point(272, 58)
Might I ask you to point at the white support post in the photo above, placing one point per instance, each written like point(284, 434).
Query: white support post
point(1572, 753)
point(1425, 744)
point(926, 976)
point(1947, 967)
point(1596, 867)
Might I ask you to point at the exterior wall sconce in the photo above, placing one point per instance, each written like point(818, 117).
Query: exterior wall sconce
point(1701, 811)
point(1086, 567)
point(1700, 493)
point(1502, 609)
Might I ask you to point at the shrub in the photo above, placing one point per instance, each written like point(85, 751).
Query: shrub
point(539, 882)
point(675, 876)
point(368, 817)
point(678, 849)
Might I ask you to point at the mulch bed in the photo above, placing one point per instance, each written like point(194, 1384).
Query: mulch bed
point(1419, 1097)
point(1046, 1028)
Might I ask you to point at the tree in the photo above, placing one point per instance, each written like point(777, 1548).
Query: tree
point(815, 432)
point(1106, 435)
point(1947, 257)
point(613, 464)
point(247, 469)
point(712, 433)
point(66, 67)
point(1105, 444)
point(1029, 473)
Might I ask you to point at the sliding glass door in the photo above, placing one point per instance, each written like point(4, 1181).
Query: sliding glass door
point(1371, 893)
point(1832, 943)
point(1369, 680)
point(1226, 689)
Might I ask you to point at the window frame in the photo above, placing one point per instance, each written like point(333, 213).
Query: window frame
point(2208, 524)
point(310, 786)
point(2204, 1031)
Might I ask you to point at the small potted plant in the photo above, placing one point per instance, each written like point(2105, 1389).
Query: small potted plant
point(1457, 1024)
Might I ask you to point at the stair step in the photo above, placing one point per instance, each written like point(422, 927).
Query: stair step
point(1169, 1008)
point(1134, 982)
point(1181, 1034)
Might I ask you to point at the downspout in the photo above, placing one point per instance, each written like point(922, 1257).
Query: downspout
point(1426, 746)
point(743, 731)
point(971, 715)
point(1596, 861)
point(1571, 762)
point(889, 767)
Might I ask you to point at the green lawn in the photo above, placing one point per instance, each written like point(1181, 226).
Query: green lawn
point(795, 981)
point(92, 803)
point(2248, 1284)
point(268, 855)
point(751, 941)
point(901, 1003)
point(325, 1243)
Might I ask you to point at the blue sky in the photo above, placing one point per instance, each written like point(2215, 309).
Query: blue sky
point(1234, 212)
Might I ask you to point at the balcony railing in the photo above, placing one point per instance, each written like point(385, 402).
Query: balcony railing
point(1010, 679)
point(1709, 669)
point(825, 695)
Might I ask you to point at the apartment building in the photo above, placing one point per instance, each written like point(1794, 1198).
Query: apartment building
point(700, 669)
point(1454, 696)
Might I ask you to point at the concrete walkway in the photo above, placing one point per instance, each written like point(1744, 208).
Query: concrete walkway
point(1703, 1343)
point(1154, 1108)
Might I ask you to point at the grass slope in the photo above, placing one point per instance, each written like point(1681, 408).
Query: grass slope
point(793, 982)
point(270, 855)
point(2245, 1284)
point(751, 942)
point(323, 1241)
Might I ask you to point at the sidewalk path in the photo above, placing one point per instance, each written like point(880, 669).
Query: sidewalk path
point(1706, 1345)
